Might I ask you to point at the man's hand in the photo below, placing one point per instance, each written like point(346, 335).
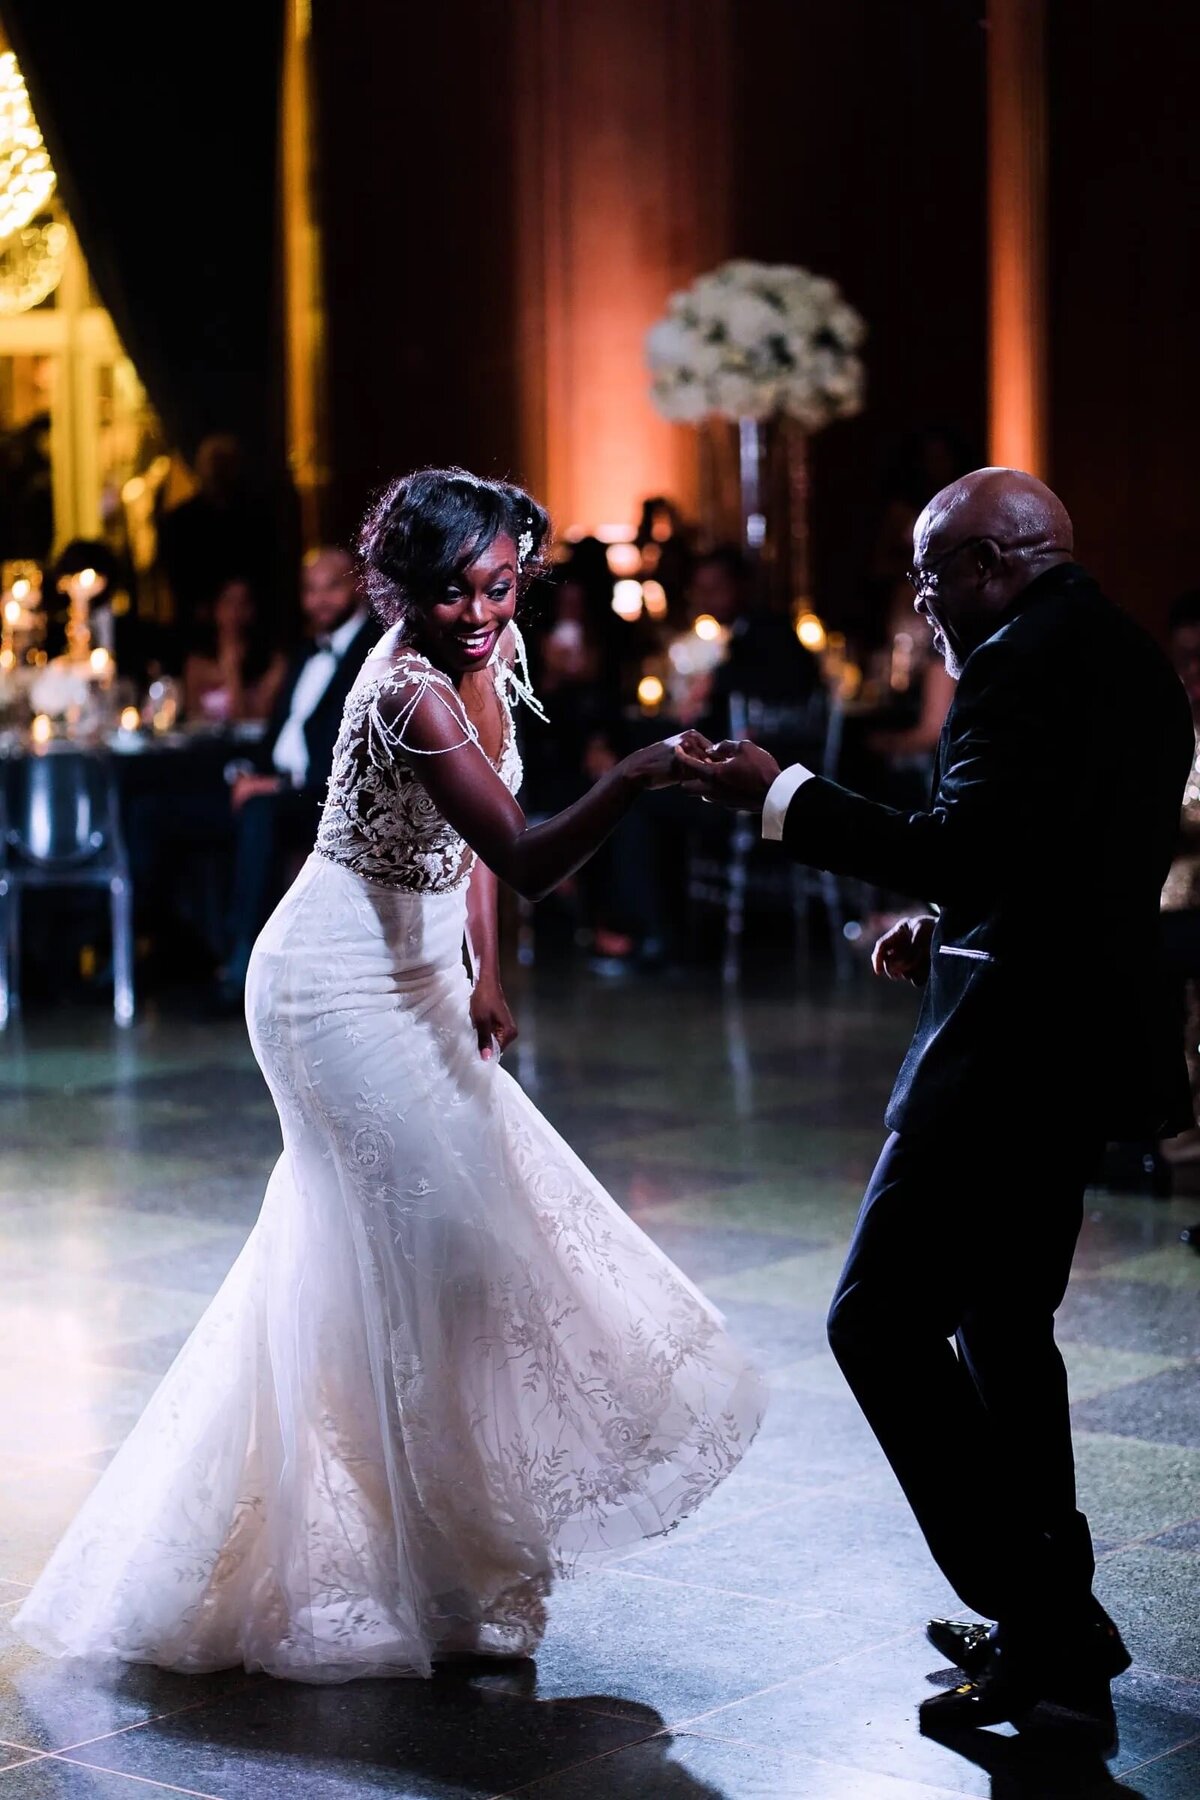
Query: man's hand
point(738, 775)
point(495, 1027)
point(249, 787)
point(902, 954)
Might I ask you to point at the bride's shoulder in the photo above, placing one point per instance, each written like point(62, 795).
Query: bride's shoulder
point(394, 669)
point(412, 705)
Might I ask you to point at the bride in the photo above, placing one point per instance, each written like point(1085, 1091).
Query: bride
point(446, 1366)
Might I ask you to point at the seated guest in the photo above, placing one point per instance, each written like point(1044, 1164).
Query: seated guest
point(635, 885)
point(226, 528)
point(1181, 894)
point(278, 795)
point(889, 751)
point(566, 647)
point(906, 732)
point(272, 803)
point(231, 673)
point(756, 655)
point(716, 598)
point(665, 541)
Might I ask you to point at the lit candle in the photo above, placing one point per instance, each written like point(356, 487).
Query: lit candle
point(654, 599)
point(80, 587)
point(810, 631)
point(650, 692)
point(131, 718)
point(12, 618)
point(627, 600)
point(624, 559)
point(41, 731)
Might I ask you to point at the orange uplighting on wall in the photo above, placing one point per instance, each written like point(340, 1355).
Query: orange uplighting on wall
point(622, 173)
point(1016, 234)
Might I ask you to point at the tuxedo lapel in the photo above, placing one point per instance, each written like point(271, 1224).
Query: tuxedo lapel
point(321, 726)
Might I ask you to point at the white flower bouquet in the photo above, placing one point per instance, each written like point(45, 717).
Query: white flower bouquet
point(753, 340)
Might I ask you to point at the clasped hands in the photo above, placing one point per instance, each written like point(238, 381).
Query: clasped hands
point(734, 774)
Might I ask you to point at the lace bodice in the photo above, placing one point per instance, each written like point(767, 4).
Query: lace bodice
point(379, 818)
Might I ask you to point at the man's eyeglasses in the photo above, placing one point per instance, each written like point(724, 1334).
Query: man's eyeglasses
point(923, 581)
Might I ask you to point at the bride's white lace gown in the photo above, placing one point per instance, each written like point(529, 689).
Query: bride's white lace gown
point(446, 1366)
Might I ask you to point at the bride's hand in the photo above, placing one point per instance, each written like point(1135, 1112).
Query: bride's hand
point(492, 1018)
point(657, 766)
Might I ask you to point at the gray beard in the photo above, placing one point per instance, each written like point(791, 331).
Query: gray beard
point(949, 655)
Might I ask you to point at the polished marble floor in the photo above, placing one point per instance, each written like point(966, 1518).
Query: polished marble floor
point(770, 1648)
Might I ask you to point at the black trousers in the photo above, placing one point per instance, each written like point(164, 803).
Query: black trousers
point(257, 842)
point(943, 1324)
point(269, 830)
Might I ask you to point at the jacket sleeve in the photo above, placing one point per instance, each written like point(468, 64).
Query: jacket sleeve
point(985, 825)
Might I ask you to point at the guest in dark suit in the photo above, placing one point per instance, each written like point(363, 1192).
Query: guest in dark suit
point(1047, 1026)
point(272, 803)
point(277, 796)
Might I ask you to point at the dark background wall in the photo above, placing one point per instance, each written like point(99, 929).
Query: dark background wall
point(415, 135)
point(853, 135)
point(1124, 282)
point(860, 152)
point(856, 138)
point(835, 165)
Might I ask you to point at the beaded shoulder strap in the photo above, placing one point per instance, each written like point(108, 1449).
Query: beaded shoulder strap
point(513, 678)
point(411, 678)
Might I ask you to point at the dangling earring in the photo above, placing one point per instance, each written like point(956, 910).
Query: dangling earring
point(518, 683)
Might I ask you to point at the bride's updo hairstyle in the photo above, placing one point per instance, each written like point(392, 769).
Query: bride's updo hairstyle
point(427, 528)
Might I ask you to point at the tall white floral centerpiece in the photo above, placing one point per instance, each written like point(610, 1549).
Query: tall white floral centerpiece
point(760, 344)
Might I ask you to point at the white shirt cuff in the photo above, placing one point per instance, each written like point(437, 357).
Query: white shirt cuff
point(780, 798)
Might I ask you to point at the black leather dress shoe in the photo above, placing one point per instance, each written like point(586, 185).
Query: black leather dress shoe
point(964, 1643)
point(1067, 1705)
point(970, 1646)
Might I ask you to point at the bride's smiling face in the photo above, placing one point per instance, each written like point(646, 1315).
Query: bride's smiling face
point(460, 629)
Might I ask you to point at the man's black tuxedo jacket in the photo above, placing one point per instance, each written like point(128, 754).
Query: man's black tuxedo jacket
point(323, 722)
point(1053, 820)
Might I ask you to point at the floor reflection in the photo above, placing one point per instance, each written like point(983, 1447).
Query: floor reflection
point(773, 1647)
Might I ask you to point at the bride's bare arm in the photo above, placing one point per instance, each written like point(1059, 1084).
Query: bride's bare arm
point(427, 725)
point(482, 927)
point(491, 1014)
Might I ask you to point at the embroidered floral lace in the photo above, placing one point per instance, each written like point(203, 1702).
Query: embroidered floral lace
point(379, 819)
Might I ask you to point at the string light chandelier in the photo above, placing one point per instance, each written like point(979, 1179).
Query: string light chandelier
point(27, 178)
point(31, 265)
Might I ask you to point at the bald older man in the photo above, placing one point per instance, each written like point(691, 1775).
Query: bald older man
point(1045, 1028)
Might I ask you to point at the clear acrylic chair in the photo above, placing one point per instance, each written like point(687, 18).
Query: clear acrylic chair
point(64, 831)
point(808, 731)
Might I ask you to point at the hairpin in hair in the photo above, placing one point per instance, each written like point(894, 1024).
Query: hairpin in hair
point(524, 544)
